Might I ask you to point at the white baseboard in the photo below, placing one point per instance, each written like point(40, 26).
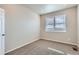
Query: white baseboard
point(59, 41)
point(36, 40)
point(22, 45)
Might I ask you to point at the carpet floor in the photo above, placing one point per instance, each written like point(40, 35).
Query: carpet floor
point(45, 47)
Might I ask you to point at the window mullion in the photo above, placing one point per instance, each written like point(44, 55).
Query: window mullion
point(54, 23)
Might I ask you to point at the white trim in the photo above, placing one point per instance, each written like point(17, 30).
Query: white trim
point(22, 45)
point(60, 41)
point(2, 11)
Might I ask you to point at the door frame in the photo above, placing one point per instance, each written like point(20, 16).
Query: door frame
point(3, 31)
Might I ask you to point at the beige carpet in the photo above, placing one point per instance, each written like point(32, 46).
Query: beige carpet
point(44, 47)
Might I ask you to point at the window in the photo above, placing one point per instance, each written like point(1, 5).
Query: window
point(56, 24)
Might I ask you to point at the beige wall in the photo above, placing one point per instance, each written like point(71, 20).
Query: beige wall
point(70, 36)
point(78, 24)
point(22, 26)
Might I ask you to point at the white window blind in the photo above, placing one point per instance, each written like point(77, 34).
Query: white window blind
point(49, 24)
point(56, 23)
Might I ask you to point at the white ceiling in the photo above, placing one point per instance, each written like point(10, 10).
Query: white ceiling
point(47, 8)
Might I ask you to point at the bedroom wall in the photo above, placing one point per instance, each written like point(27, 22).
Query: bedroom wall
point(78, 25)
point(22, 26)
point(69, 37)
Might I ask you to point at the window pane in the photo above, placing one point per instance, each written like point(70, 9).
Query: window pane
point(49, 24)
point(55, 24)
point(60, 19)
point(60, 24)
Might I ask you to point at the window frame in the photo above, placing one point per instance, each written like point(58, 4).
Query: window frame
point(54, 25)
